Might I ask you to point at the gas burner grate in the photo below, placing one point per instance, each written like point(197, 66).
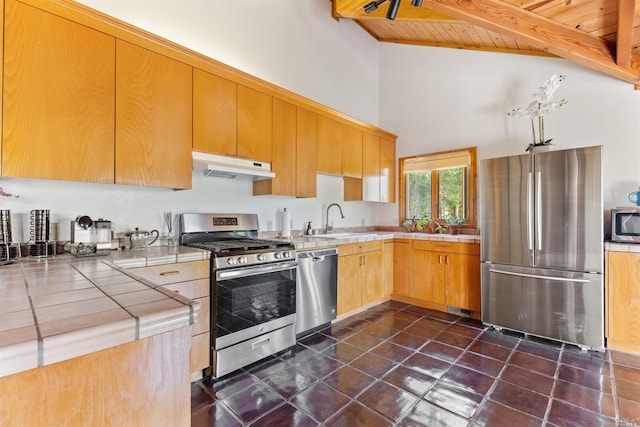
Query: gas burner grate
point(233, 245)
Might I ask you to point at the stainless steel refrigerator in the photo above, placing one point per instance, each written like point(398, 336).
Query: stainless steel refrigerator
point(542, 245)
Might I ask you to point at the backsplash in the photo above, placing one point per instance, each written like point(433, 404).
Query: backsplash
point(131, 206)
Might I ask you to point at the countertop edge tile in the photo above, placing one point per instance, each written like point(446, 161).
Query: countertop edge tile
point(56, 348)
point(18, 357)
point(163, 321)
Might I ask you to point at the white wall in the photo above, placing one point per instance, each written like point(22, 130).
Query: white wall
point(437, 99)
point(294, 44)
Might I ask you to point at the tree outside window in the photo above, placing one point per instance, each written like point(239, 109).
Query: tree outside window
point(439, 186)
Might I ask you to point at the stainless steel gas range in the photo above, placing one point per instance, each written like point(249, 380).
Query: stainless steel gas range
point(253, 288)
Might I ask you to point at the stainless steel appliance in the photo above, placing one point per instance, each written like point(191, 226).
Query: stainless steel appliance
point(625, 225)
point(89, 237)
point(542, 245)
point(317, 294)
point(253, 288)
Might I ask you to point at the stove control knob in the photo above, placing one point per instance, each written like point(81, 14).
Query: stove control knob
point(231, 261)
point(286, 254)
point(277, 255)
point(242, 260)
point(261, 257)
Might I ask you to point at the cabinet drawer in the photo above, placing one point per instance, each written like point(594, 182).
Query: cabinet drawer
point(192, 289)
point(358, 248)
point(200, 352)
point(174, 273)
point(450, 247)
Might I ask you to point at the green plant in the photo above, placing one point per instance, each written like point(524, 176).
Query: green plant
point(455, 221)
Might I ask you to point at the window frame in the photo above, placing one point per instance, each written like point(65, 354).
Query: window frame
point(471, 152)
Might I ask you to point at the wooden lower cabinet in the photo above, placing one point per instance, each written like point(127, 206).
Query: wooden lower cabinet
point(438, 274)
point(387, 268)
point(111, 387)
point(402, 267)
point(623, 301)
point(191, 280)
point(360, 270)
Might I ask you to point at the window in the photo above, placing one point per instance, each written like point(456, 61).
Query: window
point(439, 186)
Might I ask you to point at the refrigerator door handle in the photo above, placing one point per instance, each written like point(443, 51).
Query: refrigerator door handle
point(539, 211)
point(529, 212)
point(538, 276)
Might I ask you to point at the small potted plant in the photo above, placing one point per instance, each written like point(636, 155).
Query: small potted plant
point(454, 225)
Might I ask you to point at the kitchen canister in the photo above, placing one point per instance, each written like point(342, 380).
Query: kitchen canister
point(5, 226)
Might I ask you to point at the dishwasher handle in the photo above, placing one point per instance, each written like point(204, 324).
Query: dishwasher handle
point(317, 255)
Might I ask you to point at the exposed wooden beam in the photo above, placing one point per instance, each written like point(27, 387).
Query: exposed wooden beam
point(537, 31)
point(626, 10)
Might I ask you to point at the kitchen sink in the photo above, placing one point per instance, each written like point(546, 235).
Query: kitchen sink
point(342, 235)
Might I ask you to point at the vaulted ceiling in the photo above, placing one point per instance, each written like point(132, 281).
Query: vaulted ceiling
point(603, 35)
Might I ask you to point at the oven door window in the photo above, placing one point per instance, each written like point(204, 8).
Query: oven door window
point(243, 302)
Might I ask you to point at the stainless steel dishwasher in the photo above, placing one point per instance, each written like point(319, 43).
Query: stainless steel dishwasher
point(317, 289)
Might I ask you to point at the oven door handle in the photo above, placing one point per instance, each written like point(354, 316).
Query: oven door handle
point(254, 271)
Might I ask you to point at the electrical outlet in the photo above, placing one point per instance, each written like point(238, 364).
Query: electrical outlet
point(362, 221)
point(269, 225)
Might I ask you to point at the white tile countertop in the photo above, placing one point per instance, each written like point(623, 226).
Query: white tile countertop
point(54, 309)
point(621, 247)
point(318, 241)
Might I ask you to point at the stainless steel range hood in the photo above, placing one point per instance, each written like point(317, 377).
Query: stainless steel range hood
point(231, 167)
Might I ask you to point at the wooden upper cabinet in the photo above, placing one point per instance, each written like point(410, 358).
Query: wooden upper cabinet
point(387, 170)
point(58, 98)
point(352, 152)
point(215, 106)
point(330, 136)
point(371, 168)
point(284, 152)
point(255, 124)
point(306, 155)
point(153, 118)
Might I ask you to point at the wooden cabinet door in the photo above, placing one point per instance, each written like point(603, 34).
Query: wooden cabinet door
point(153, 118)
point(427, 276)
point(283, 154)
point(215, 107)
point(306, 155)
point(387, 268)
point(387, 171)
point(330, 136)
point(463, 281)
point(623, 302)
point(349, 283)
point(371, 168)
point(58, 98)
point(255, 124)
point(352, 152)
point(402, 264)
point(372, 284)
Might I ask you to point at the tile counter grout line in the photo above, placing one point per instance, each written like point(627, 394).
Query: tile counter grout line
point(36, 324)
point(137, 320)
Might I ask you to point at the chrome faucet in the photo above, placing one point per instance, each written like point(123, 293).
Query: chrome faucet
point(328, 228)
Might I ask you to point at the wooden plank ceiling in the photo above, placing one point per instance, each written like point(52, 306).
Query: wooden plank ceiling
point(603, 35)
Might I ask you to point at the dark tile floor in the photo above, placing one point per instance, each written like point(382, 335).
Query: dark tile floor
point(400, 365)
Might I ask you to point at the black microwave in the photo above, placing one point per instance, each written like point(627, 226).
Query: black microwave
point(625, 225)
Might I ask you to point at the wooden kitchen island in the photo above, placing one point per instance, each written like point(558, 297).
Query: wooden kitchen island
point(86, 343)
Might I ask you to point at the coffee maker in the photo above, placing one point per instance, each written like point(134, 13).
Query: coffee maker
point(89, 236)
